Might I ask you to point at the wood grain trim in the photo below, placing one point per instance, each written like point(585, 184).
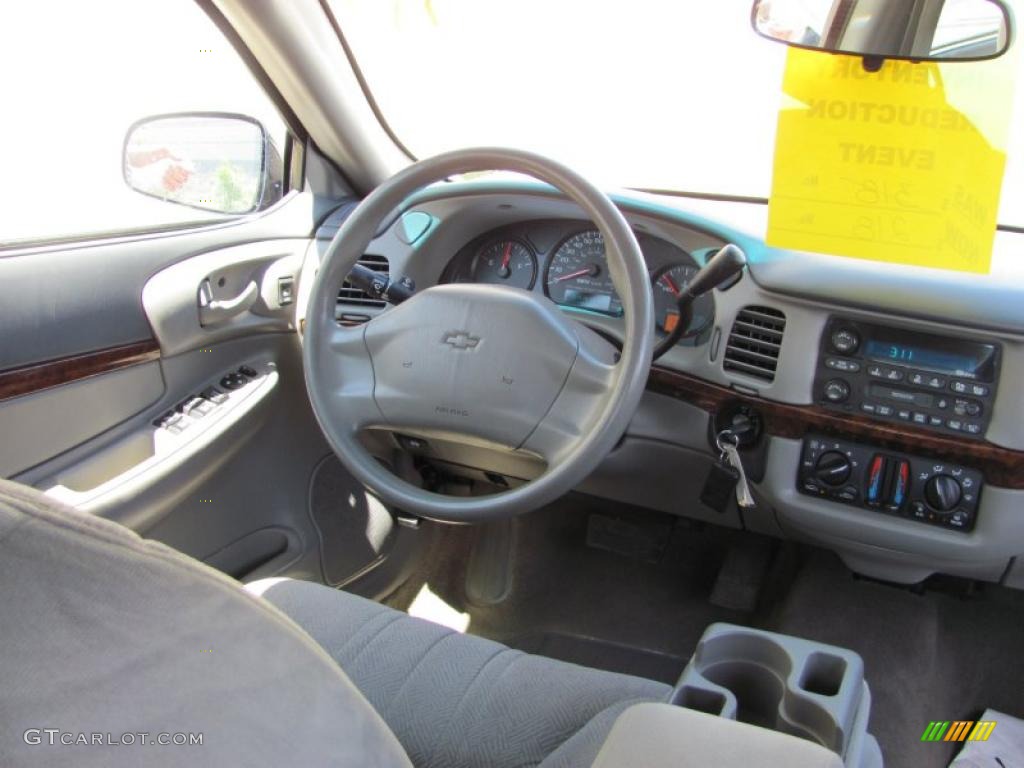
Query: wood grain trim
point(1001, 466)
point(52, 373)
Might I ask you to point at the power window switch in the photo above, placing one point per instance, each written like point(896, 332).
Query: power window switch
point(214, 395)
point(172, 421)
point(198, 407)
point(245, 370)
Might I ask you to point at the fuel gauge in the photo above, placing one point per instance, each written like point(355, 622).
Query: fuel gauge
point(505, 262)
point(668, 284)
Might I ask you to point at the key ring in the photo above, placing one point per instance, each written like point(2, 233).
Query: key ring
point(729, 437)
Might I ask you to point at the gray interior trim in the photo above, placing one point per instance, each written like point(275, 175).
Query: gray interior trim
point(891, 548)
point(41, 425)
point(304, 58)
point(173, 302)
point(56, 286)
point(664, 736)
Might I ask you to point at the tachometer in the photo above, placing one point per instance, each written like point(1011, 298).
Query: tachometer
point(577, 275)
point(505, 262)
point(668, 283)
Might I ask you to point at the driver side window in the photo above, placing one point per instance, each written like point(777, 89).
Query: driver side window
point(72, 170)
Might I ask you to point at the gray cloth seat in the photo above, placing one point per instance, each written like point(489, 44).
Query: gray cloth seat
point(460, 700)
point(110, 643)
point(104, 634)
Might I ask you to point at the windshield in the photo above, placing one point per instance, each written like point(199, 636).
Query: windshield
point(676, 96)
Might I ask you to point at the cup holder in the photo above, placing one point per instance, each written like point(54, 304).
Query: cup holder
point(783, 683)
point(758, 690)
point(701, 699)
point(823, 674)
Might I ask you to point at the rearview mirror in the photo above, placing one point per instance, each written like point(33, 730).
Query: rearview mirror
point(916, 30)
point(215, 162)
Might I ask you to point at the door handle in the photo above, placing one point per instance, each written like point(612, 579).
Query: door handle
point(213, 311)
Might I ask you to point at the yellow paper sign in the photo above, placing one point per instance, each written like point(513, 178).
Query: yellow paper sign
point(883, 166)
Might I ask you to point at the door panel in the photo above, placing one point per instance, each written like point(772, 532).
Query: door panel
point(48, 422)
point(231, 488)
point(66, 300)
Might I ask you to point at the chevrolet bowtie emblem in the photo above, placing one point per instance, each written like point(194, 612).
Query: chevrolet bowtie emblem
point(460, 340)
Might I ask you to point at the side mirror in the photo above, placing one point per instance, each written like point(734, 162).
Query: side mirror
point(211, 161)
point(941, 30)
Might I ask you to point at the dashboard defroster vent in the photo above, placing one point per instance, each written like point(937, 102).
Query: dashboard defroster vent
point(754, 342)
point(349, 296)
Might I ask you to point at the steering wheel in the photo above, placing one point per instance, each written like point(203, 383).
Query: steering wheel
point(481, 364)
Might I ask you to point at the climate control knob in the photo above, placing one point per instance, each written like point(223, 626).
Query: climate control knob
point(832, 468)
point(836, 390)
point(942, 492)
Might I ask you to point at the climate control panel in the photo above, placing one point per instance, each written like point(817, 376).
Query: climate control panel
point(912, 487)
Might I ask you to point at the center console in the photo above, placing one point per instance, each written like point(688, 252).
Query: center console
point(933, 382)
point(804, 688)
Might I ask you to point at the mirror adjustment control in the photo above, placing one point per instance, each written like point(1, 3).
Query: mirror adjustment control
point(233, 380)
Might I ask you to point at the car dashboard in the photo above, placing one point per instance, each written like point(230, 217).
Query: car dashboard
point(878, 414)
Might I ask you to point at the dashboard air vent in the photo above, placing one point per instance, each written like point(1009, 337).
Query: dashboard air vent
point(351, 296)
point(754, 343)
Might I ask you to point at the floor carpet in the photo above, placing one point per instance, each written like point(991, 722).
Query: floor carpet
point(928, 656)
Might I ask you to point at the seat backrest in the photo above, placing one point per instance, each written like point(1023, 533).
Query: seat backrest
point(111, 644)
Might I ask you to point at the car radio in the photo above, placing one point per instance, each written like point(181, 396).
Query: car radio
point(935, 382)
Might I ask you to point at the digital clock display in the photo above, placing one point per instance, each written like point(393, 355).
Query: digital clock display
point(951, 356)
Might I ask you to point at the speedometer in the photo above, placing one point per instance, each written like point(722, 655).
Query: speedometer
point(669, 283)
point(577, 275)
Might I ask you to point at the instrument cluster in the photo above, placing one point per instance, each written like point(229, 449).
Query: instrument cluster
point(566, 261)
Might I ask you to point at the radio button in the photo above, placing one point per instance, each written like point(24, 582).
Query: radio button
point(964, 407)
point(885, 372)
point(960, 387)
point(972, 427)
point(934, 421)
point(979, 390)
point(868, 407)
point(903, 414)
point(841, 364)
point(942, 403)
point(922, 418)
point(930, 380)
point(955, 424)
point(884, 410)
